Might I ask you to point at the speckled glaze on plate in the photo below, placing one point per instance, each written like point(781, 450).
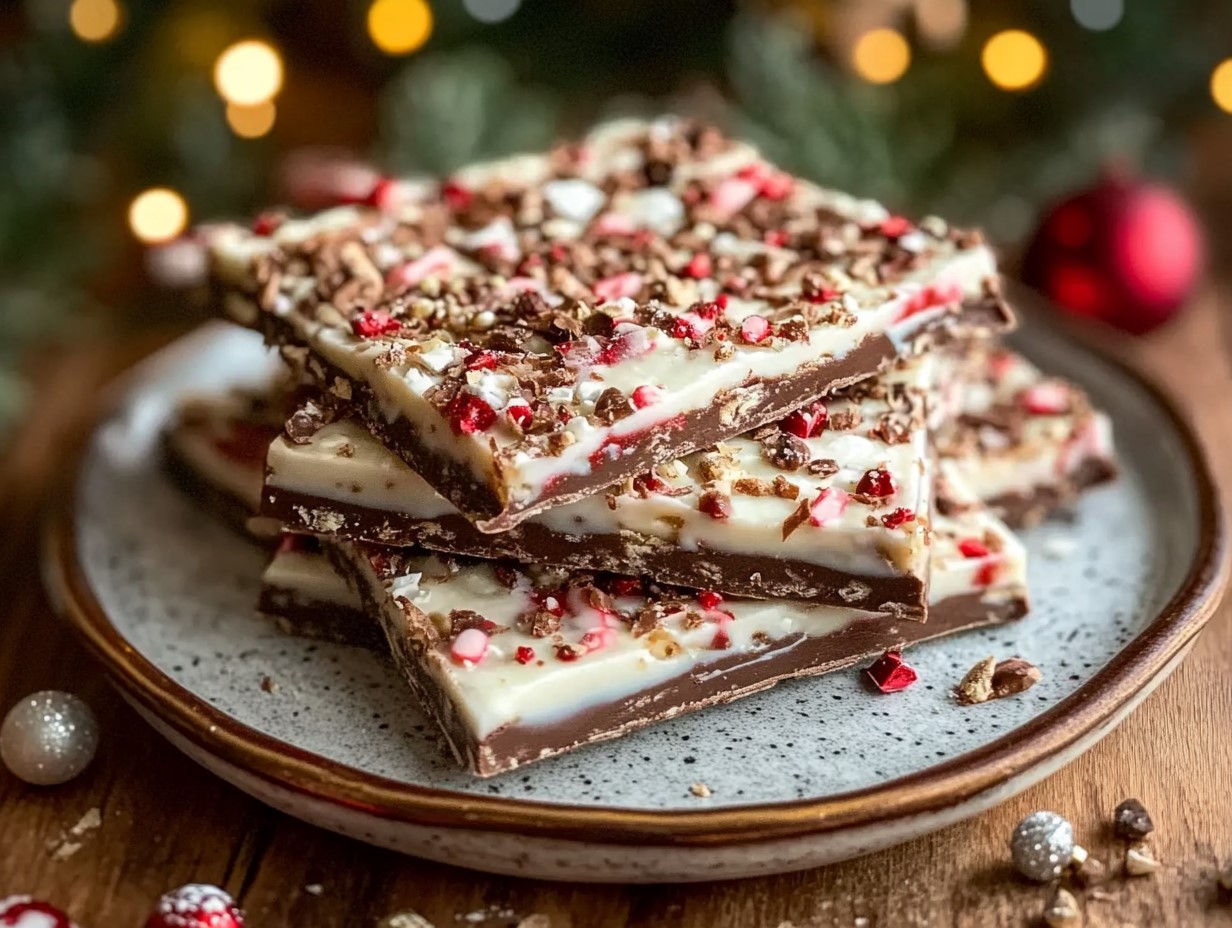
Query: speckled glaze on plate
point(808, 773)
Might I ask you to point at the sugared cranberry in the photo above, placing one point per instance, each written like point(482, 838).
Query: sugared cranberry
point(682, 328)
point(709, 599)
point(372, 323)
point(755, 329)
point(731, 195)
point(482, 360)
point(26, 912)
point(890, 673)
point(520, 414)
point(715, 505)
point(776, 238)
point(876, 483)
point(618, 286)
point(626, 586)
point(456, 196)
point(805, 423)
point(197, 905)
point(721, 641)
point(776, 186)
point(897, 517)
point(469, 414)
point(646, 395)
point(822, 295)
point(384, 194)
point(829, 505)
point(895, 226)
point(524, 655)
point(973, 547)
point(267, 223)
point(567, 653)
point(699, 266)
point(469, 646)
point(987, 573)
point(1048, 398)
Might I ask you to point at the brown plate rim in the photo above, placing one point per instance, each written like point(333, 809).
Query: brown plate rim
point(945, 785)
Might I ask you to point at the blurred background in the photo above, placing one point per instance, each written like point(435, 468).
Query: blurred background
point(1091, 138)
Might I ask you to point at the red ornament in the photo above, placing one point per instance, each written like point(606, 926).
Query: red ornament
point(890, 673)
point(1126, 253)
point(26, 912)
point(197, 905)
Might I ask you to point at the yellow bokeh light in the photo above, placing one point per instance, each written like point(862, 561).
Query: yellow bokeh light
point(1221, 85)
point(248, 73)
point(1014, 60)
point(881, 56)
point(95, 20)
point(399, 27)
point(251, 122)
point(157, 215)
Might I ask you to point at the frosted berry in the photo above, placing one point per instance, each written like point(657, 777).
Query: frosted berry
point(895, 227)
point(709, 599)
point(25, 912)
point(197, 905)
point(469, 646)
point(715, 505)
point(972, 547)
point(372, 323)
point(805, 423)
point(897, 517)
point(755, 329)
point(876, 483)
point(524, 655)
point(520, 414)
point(646, 395)
point(469, 414)
point(456, 196)
point(699, 266)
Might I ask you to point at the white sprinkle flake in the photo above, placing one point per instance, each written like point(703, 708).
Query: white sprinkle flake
point(314, 889)
point(574, 199)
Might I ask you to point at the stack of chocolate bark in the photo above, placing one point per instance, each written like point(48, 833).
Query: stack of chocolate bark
point(591, 438)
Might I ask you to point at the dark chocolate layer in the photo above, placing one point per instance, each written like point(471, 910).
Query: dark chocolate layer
point(295, 614)
point(758, 577)
point(726, 678)
point(1027, 508)
point(480, 499)
point(209, 496)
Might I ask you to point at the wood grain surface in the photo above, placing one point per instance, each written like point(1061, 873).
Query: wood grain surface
point(165, 821)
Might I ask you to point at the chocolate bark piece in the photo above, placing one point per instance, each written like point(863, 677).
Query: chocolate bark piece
point(476, 324)
point(1025, 443)
point(850, 548)
point(304, 596)
point(510, 699)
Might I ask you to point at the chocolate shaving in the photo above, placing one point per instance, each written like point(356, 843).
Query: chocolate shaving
point(462, 619)
point(798, 517)
point(785, 489)
point(539, 623)
point(306, 422)
point(822, 467)
point(785, 451)
point(612, 406)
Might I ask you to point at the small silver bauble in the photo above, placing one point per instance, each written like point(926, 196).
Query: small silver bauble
point(1042, 846)
point(48, 738)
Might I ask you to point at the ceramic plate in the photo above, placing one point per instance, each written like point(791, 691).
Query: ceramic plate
point(810, 772)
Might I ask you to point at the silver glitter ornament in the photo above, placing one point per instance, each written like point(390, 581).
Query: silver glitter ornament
point(1042, 846)
point(48, 738)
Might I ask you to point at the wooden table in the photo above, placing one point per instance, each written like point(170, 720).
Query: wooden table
point(166, 822)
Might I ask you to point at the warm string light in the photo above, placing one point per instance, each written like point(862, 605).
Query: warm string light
point(157, 215)
point(881, 56)
point(248, 73)
point(95, 20)
point(941, 22)
point(1014, 60)
point(1097, 15)
point(252, 122)
point(1221, 85)
point(399, 27)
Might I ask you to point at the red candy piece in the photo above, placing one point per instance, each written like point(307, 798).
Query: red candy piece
point(482, 360)
point(1049, 398)
point(267, 223)
point(709, 599)
point(372, 323)
point(890, 673)
point(973, 547)
point(26, 912)
point(805, 423)
point(699, 266)
point(524, 654)
point(682, 328)
point(776, 238)
point(721, 641)
point(567, 653)
point(776, 186)
point(731, 195)
point(715, 505)
point(618, 286)
point(646, 395)
point(520, 414)
point(987, 573)
point(710, 310)
point(877, 483)
point(755, 329)
point(197, 905)
point(456, 196)
point(469, 414)
point(895, 226)
point(897, 517)
point(384, 194)
point(828, 506)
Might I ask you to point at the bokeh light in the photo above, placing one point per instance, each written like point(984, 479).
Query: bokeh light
point(399, 27)
point(881, 56)
point(248, 73)
point(1097, 15)
point(95, 20)
point(1221, 85)
point(491, 11)
point(1014, 60)
point(157, 215)
point(252, 122)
